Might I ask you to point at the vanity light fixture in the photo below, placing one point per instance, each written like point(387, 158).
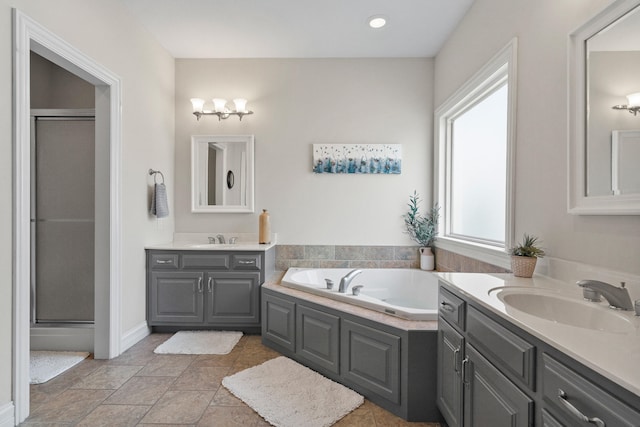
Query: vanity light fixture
point(220, 108)
point(633, 105)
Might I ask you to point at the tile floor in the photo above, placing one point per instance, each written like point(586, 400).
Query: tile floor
point(141, 388)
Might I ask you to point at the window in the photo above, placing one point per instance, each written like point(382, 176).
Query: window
point(474, 139)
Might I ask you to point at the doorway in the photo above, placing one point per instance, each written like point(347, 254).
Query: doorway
point(30, 36)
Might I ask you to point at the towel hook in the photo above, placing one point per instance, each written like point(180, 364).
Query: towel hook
point(154, 173)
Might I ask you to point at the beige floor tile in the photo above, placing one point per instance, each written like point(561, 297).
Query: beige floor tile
point(229, 416)
point(70, 406)
point(224, 397)
point(114, 416)
point(361, 417)
point(166, 365)
point(216, 359)
point(107, 377)
point(179, 407)
point(141, 391)
point(200, 378)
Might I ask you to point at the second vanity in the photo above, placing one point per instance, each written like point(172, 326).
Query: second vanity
point(213, 286)
point(531, 352)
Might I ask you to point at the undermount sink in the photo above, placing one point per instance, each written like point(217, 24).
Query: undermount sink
point(565, 310)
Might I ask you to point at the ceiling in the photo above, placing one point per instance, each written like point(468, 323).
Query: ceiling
point(299, 28)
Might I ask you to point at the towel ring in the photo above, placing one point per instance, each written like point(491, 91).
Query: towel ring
point(154, 173)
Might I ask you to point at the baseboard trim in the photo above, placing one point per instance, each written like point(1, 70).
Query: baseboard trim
point(6, 415)
point(133, 335)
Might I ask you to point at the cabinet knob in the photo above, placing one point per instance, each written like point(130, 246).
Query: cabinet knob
point(564, 400)
point(246, 262)
point(200, 284)
point(446, 306)
point(209, 285)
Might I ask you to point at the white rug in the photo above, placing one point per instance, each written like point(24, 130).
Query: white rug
point(45, 365)
point(200, 342)
point(287, 394)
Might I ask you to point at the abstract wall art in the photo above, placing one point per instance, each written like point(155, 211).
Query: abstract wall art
point(357, 158)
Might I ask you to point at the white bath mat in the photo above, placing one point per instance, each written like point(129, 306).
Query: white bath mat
point(287, 394)
point(44, 365)
point(200, 342)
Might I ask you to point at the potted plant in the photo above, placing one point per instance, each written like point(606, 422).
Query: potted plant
point(422, 229)
point(525, 255)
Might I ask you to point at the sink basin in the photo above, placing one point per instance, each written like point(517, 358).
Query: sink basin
point(566, 310)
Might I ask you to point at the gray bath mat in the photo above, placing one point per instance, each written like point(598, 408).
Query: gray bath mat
point(200, 342)
point(287, 394)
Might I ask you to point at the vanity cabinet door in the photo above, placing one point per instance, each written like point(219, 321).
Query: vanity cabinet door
point(449, 388)
point(318, 337)
point(233, 298)
point(490, 398)
point(278, 321)
point(371, 359)
point(175, 297)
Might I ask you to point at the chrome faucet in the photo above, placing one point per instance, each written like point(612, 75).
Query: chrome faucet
point(212, 240)
point(617, 297)
point(221, 239)
point(346, 280)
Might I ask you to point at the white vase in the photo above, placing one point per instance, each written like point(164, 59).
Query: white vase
point(427, 260)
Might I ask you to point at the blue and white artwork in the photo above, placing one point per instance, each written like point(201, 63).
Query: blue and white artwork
point(357, 158)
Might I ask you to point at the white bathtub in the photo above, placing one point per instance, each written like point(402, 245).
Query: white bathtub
point(408, 293)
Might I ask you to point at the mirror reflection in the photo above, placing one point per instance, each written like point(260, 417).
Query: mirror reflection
point(222, 173)
point(613, 127)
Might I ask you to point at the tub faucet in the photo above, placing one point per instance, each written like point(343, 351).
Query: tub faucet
point(617, 297)
point(221, 239)
point(346, 280)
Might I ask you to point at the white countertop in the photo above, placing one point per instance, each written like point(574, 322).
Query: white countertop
point(194, 246)
point(614, 355)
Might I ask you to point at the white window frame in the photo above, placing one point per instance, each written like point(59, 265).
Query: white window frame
point(502, 66)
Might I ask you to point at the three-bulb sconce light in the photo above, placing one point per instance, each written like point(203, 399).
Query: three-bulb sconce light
point(220, 108)
point(633, 105)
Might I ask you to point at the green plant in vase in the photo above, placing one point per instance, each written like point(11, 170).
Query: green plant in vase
point(422, 229)
point(524, 256)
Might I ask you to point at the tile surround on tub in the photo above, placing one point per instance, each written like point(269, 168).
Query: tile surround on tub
point(330, 256)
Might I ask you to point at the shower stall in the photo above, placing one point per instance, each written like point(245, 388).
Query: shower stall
point(62, 229)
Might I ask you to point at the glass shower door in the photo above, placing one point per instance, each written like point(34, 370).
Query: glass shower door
point(63, 220)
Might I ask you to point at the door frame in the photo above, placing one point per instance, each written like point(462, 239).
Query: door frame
point(31, 36)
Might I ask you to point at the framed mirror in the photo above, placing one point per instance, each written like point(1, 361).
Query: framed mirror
point(604, 149)
point(222, 173)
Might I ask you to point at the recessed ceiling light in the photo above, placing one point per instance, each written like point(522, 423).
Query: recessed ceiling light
point(377, 21)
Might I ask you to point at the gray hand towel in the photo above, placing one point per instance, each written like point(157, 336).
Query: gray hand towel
point(159, 204)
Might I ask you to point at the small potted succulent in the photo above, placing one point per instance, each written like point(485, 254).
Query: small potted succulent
point(422, 229)
point(525, 255)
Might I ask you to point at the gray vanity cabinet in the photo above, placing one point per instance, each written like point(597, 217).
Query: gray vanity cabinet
point(449, 389)
point(279, 322)
point(204, 289)
point(176, 297)
point(490, 398)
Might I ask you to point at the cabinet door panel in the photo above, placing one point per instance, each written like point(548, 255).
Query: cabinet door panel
point(449, 389)
point(175, 297)
point(490, 398)
point(371, 358)
point(318, 337)
point(233, 298)
point(278, 321)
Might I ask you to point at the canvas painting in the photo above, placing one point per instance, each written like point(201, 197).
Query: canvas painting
point(357, 158)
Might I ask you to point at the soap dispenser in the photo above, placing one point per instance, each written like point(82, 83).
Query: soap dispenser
point(264, 229)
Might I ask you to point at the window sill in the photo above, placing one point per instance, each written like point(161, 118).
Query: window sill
point(484, 253)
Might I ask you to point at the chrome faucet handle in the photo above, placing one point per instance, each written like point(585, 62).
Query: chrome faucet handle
point(356, 290)
point(212, 240)
point(232, 240)
point(591, 295)
point(220, 239)
point(636, 306)
point(329, 283)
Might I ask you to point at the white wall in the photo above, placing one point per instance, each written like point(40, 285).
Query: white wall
point(105, 32)
point(542, 28)
point(299, 102)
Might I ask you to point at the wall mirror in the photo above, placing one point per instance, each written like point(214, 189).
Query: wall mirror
point(604, 142)
point(222, 173)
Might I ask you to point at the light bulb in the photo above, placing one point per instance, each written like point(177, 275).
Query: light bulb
point(241, 105)
point(197, 104)
point(634, 99)
point(219, 105)
point(377, 21)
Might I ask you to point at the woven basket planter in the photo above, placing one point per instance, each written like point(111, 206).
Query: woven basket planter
point(523, 266)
